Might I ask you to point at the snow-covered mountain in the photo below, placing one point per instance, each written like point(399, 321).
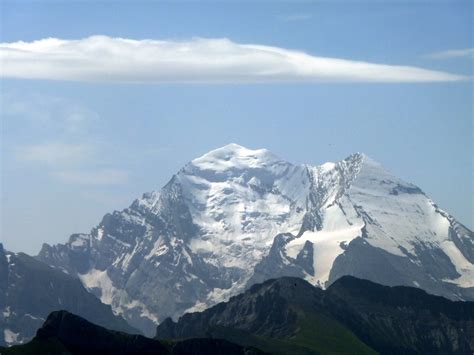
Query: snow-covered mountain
point(235, 216)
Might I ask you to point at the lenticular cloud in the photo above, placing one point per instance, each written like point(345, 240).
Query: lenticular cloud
point(106, 59)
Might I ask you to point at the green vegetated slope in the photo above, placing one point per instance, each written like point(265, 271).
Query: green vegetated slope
point(316, 334)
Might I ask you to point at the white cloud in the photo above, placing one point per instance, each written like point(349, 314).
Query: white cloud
point(92, 177)
point(453, 53)
point(106, 59)
point(55, 153)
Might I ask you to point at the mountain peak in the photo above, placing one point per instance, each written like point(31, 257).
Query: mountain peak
point(362, 158)
point(361, 162)
point(235, 156)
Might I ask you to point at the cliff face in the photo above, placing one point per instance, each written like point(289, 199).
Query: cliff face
point(387, 319)
point(402, 319)
point(30, 290)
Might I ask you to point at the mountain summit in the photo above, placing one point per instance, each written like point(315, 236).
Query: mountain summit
point(235, 157)
point(235, 216)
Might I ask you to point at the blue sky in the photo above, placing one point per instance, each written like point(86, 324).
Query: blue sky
point(73, 151)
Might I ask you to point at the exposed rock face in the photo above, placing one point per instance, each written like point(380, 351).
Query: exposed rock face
point(263, 310)
point(398, 320)
point(402, 319)
point(30, 290)
point(236, 216)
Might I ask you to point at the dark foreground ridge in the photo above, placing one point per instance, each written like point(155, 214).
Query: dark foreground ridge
point(284, 316)
point(351, 316)
point(66, 333)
